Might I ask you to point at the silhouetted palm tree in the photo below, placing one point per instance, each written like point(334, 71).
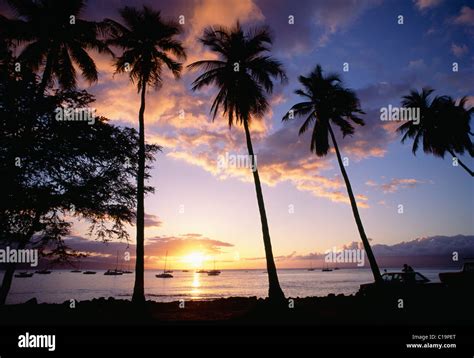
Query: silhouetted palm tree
point(243, 74)
point(149, 44)
point(444, 125)
point(328, 102)
point(55, 38)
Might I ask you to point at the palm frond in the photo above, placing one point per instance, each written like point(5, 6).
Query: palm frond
point(85, 63)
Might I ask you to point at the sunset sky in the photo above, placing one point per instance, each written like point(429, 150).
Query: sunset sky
point(210, 214)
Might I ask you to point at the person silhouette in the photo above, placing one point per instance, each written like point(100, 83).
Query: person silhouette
point(410, 278)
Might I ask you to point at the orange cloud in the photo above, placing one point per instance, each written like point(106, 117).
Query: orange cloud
point(396, 184)
point(179, 120)
point(217, 12)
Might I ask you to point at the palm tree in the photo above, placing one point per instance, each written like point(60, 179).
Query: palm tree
point(444, 125)
point(149, 44)
point(243, 74)
point(55, 38)
point(327, 102)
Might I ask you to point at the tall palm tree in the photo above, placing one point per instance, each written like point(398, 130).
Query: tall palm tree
point(149, 44)
point(326, 102)
point(243, 75)
point(444, 125)
point(55, 39)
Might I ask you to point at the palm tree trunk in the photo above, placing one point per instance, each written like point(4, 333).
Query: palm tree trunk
point(275, 292)
point(461, 163)
point(6, 283)
point(355, 211)
point(139, 290)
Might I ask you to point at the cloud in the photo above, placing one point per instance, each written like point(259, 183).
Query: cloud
point(433, 245)
point(283, 155)
point(184, 245)
point(152, 221)
point(416, 64)
point(459, 50)
point(432, 251)
point(179, 120)
point(381, 94)
point(465, 17)
point(395, 184)
point(370, 183)
point(470, 101)
point(338, 15)
point(422, 252)
point(462, 84)
point(207, 13)
point(217, 12)
point(426, 4)
point(104, 255)
point(277, 258)
point(314, 21)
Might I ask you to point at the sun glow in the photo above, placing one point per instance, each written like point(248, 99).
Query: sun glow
point(195, 259)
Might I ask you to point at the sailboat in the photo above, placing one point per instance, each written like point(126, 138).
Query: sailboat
point(165, 273)
point(326, 269)
point(127, 270)
point(43, 272)
point(311, 268)
point(115, 272)
point(78, 269)
point(24, 274)
point(214, 272)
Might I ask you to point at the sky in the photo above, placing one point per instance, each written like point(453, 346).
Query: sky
point(200, 213)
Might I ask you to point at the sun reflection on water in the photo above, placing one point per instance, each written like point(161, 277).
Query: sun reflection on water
point(196, 284)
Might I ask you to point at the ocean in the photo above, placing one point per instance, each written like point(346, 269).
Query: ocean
point(62, 285)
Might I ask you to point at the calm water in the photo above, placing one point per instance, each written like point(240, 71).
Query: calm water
point(60, 286)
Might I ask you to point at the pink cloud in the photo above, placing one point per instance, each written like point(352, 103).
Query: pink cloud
point(396, 184)
point(465, 17)
point(152, 220)
point(426, 4)
point(459, 50)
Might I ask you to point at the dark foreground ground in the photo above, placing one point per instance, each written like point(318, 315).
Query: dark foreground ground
point(441, 307)
point(340, 324)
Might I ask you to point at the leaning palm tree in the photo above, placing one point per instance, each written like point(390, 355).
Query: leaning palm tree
point(444, 125)
point(149, 44)
point(55, 38)
point(327, 103)
point(243, 75)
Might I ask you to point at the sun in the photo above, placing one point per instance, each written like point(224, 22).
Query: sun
point(195, 259)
